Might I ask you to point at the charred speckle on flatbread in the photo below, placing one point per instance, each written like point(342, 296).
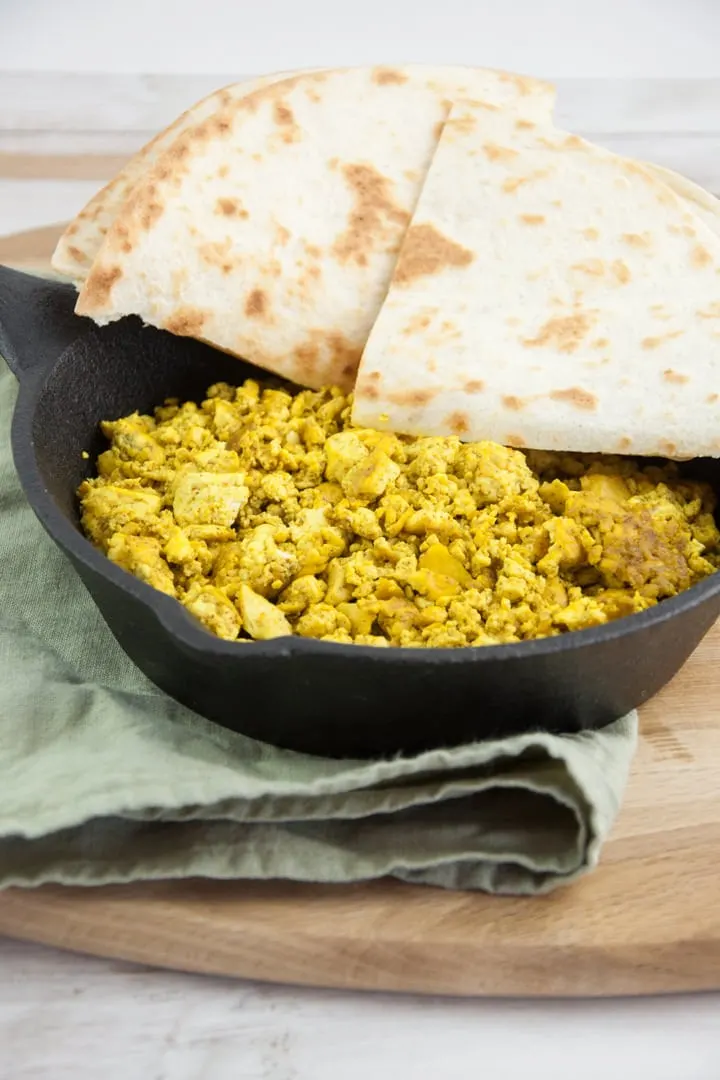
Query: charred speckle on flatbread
point(532, 219)
point(463, 124)
point(474, 386)
point(592, 267)
point(675, 376)
point(637, 240)
point(525, 125)
point(458, 423)
point(512, 183)
point(186, 320)
point(513, 402)
point(374, 217)
point(230, 207)
point(282, 234)
point(656, 342)
point(494, 152)
point(700, 257)
point(217, 253)
point(413, 398)
point(712, 398)
point(385, 76)
point(97, 288)
point(669, 449)
point(341, 356)
point(256, 305)
point(564, 332)
point(426, 251)
point(284, 117)
point(419, 322)
point(624, 443)
point(621, 271)
point(515, 441)
point(78, 255)
point(576, 396)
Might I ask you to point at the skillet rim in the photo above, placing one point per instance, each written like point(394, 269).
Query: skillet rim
point(179, 624)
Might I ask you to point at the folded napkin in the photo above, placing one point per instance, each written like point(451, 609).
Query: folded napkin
point(103, 778)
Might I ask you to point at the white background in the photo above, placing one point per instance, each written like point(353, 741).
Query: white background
point(68, 1018)
point(542, 37)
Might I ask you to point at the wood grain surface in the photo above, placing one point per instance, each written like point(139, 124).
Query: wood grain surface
point(646, 921)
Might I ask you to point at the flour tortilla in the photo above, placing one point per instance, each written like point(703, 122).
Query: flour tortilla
point(548, 294)
point(271, 229)
point(81, 241)
point(700, 201)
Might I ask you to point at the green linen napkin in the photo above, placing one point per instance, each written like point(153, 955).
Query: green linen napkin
point(103, 778)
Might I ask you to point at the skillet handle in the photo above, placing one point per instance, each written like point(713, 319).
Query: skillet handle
point(37, 320)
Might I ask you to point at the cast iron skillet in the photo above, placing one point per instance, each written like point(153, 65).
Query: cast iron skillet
point(307, 695)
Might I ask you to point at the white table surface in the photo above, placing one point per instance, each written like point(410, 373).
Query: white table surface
point(67, 1017)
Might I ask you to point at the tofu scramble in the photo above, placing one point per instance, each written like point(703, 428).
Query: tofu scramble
point(266, 513)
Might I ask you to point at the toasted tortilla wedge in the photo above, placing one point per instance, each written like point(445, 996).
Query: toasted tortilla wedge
point(271, 229)
point(548, 294)
point(81, 241)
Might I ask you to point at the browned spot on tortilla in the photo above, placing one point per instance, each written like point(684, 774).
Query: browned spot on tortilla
point(637, 240)
point(458, 422)
point(282, 234)
point(412, 175)
point(711, 312)
point(375, 221)
point(257, 157)
point(593, 267)
point(312, 250)
point(312, 95)
point(464, 124)
point(700, 256)
point(186, 320)
point(600, 343)
point(427, 251)
point(230, 208)
point(516, 441)
point(412, 397)
point(624, 443)
point(564, 332)
point(532, 219)
point(438, 129)
point(621, 271)
point(340, 359)
point(590, 234)
point(522, 83)
point(431, 364)
point(385, 76)
point(217, 253)
point(282, 113)
point(97, 288)
point(525, 125)
point(417, 323)
point(576, 396)
point(574, 142)
point(654, 342)
point(256, 305)
point(675, 376)
point(669, 449)
point(72, 228)
point(478, 103)
point(495, 152)
point(512, 183)
point(514, 403)
point(712, 398)
point(474, 386)
point(76, 254)
point(285, 119)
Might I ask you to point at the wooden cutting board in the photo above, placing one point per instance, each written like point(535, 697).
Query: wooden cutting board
point(647, 921)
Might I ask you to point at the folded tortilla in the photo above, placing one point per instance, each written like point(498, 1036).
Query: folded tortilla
point(81, 241)
point(271, 228)
point(548, 294)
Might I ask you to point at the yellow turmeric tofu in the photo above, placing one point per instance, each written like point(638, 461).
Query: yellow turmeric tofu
point(266, 513)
